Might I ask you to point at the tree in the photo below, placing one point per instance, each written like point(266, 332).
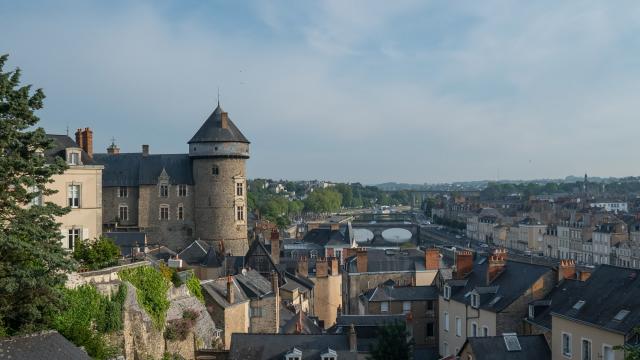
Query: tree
point(96, 254)
point(33, 265)
point(392, 343)
point(631, 351)
point(323, 201)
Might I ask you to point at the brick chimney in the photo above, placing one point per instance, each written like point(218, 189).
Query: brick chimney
point(224, 120)
point(353, 339)
point(334, 266)
point(84, 138)
point(230, 294)
point(362, 260)
point(464, 264)
point(145, 150)
point(274, 282)
point(567, 269)
point(497, 264)
point(275, 246)
point(432, 259)
point(334, 226)
point(303, 266)
point(322, 268)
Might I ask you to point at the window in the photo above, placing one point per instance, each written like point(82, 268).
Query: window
point(215, 170)
point(607, 352)
point(72, 237)
point(475, 300)
point(164, 212)
point(164, 190)
point(123, 212)
point(474, 329)
point(384, 306)
point(37, 198)
point(406, 307)
point(123, 191)
point(566, 344)
point(329, 355)
point(239, 189)
point(445, 349)
point(73, 194)
point(531, 311)
point(446, 321)
point(180, 212)
point(429, 305)
point(294, 354)
point(586, 349)
point(74, 158)
point(255, 311)
point(240, 213)
point(447, 292)
point(485, 331)
point(458, 326)
point(182, 190)
point(430, 330)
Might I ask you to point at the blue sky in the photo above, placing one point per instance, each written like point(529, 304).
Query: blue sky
point(369, 91)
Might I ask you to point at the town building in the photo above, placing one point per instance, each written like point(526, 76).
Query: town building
point(294, 347)
point(508, 346)
point(178, 198)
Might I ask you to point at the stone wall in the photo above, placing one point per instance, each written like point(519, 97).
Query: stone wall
point(327, 298)
point(356, 284)
point(141, 338)
point(215, 201)
point(111, 203)
point(269, 321)
point(105, 280)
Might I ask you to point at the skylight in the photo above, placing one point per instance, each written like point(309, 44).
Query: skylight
point(495, 300)
point(511, 341)
point(579, 305)
point(621, 315)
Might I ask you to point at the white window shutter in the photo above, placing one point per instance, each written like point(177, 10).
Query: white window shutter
point(85, 233)
point(65, 237)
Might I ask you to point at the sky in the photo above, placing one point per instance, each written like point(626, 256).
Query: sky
point(356, 91)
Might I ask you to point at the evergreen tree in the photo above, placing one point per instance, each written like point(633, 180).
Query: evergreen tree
point(32, 261)
point(392, 343)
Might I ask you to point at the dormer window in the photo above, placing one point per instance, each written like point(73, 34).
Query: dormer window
point(294, 354)
point(532, 312)
point(475, 300)
point(447, 292)
point(329, 355)
point(73, 157)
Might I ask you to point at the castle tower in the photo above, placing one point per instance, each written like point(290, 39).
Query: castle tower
point(219, 152)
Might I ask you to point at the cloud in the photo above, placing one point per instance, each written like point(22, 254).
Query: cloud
point(355, 91)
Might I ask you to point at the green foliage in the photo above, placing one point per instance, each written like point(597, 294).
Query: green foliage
point(178, 329)
point(151, 289)
point(323, 201)
point(96, 254)
point(392, 343)
point(87, 316)
point(450, 223)
point(33, 265)
point(631, 351)
point(193, 284)
point(172, 356)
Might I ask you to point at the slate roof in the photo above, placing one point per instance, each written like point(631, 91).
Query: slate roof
point(253, 284)
point(390, 260)
point(127, 241)
point(43, 346)
point(325, 236)
point(217, 289)
point(161, 253)
point(609, 290)
point(60, 144)
point(195, 253)
point(212, 130)
point(275, 346)
point(534, 347)
point(403, 293)
point(512, 283)
point(368, 320)
point(134, 169)
point(307, 326)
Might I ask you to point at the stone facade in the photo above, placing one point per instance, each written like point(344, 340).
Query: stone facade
point(264, 315)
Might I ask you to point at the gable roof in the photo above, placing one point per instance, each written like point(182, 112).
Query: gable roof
point(275, 346)
point(301, 324)
point(60, 144)
point(402, 293)
point(608, 291)
point(217, 289)
point(511, 284)
point(212, 130)
point(42, 346)
point(533, 347)
point(195, 253)
point(134, 169)
point(379, 260)
point(253, 284)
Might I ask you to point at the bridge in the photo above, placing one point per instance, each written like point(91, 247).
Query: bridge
point(386, 233)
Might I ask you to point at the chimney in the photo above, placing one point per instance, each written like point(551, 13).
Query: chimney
point(432, 259)
point(84, 138)
point(496, 266)
point(224, 120)
point(274, 282)
point(335, 268)
point(334, 226)
point(362, 260)
point(275, 246)
point(145, 150)
point(79, 138)
point(230, 295)
point(464, 264)
point(113, 149)
point(567, 270)
point(311, 226)
point(303, 266)
point(322, 269)
point(353, 339)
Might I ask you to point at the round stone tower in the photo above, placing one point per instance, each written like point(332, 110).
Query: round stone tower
point(218, 152)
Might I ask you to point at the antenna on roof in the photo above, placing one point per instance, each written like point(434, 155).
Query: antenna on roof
point(218, 95)
point(67, 129)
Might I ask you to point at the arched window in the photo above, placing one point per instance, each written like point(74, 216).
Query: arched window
point(215, 170)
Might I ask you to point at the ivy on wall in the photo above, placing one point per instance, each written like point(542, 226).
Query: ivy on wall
point(151, 289)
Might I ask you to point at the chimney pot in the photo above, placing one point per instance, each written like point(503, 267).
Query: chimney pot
point(145, 150)
point(335, 266)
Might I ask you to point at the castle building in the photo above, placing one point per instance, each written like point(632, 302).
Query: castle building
point(178, 198)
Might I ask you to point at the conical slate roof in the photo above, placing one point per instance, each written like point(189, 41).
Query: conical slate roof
point(214, 130)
